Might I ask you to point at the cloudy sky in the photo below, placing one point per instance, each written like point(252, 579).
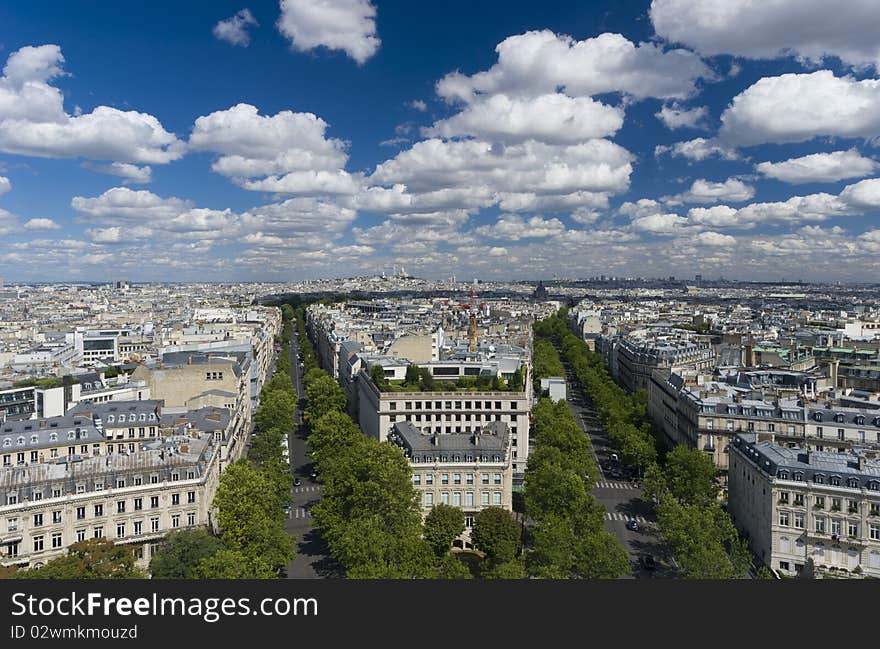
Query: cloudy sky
point(256, 140)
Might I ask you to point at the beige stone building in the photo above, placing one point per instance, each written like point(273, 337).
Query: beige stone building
point(799, 505)
point(470, 471)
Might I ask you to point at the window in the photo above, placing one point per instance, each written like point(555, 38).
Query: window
point(191, 518)
point(840, 433)
point(120, 507)
point(175, 499)
point(783, 519)
point(429, 499)
point(38, 520)
point(38, 543)
point(852, 483)
point(99, 510)
point(799, 521)
point(120, 530)
point(469, 499)
point(819, 432)
point(175, 520)
point(99, 486)
point(820, 502)
point(456, 478)
point(11, 524)
point(835, 504)
point(484, 477)
point(852, 529)
point(456, 499)
point(444, 497)
point(835, 527)
point(875, 509)
point(820, 524)
point(417, 478)
point(799, 500)
point(80, 513)
point(99, 532)
point(852, 506)
point(81, 534)
point(783, 565)
point(444, 478)
point(154, 502)
point(56, 517)
point(154, 524)
point(783, 497)
point(834, 481)
point(138, 504)
point(138, 528)
point(819, 478)
point(874, 531)
point(469, 478)
point(429, 478)
point(497, 478)
point(484, 498)
point(496, 498)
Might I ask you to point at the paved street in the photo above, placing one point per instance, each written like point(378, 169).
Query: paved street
point(311, 560)
point(621, 497)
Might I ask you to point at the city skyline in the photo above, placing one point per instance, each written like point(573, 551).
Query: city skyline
point(266, 141)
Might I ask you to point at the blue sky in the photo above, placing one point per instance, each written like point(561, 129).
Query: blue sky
point(311, 138)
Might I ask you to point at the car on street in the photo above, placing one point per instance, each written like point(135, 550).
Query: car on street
point(313, 475)
point(287, 508)
point(632, 525)
point(297, 482)
point(648, 562)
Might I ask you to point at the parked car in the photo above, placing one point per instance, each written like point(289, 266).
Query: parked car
point(297, 482)
point(632, 525)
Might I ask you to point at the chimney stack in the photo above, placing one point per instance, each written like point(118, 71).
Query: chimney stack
point(863, 462)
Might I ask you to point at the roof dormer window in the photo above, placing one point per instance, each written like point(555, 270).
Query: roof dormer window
point(111, 419)
point(53, 437)
point(20, 441)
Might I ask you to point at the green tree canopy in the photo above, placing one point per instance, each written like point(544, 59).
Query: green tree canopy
point(443, 524)
point(91, 559)
point(496, 533)
point(181, 551)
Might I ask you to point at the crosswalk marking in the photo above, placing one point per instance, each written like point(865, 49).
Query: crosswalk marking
point(616, 485)
point(300, 512)
point(618, 516)
point(298, 490)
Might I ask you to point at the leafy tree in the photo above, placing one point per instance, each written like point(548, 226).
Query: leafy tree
point(332, 433)
point(496, 533)
point(250, 515)
point(323, 395)
point(426, 380)
point(181, 551)
point(233, 564)
point(552, 548)
point(91, 559)
point(449, 566)
point(443, 524)
point(278, 410)
point(266, 445)
point(690, 475)
point(599, 555)
point(516, 380)
point(279, 382)
point(513, 569)
point(412, 375)
point(377, 374)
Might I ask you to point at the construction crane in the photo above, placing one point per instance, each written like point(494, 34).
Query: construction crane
point(472, 326)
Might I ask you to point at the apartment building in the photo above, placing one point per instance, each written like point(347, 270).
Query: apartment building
point(470, 471)
point(637, 359)
point(447, 413)
point(137, 498)
point(797, 506)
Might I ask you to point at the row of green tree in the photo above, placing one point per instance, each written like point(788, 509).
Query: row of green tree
point(683, 484)
point(545, 361)
point(566, 536)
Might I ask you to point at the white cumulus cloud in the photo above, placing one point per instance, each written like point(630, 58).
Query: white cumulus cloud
point(233, 30)
point(347, 25)
point(766, 29)
point(819, 167)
